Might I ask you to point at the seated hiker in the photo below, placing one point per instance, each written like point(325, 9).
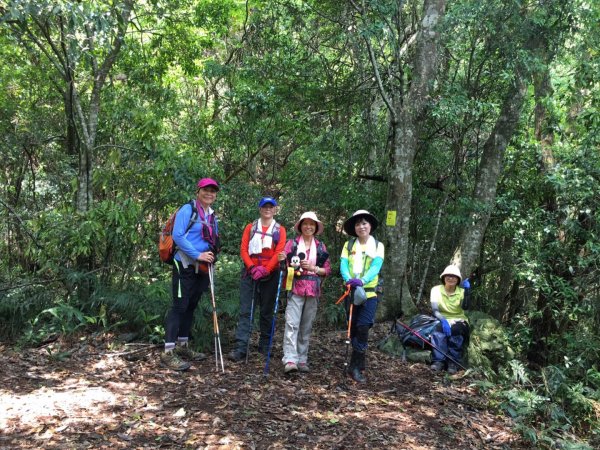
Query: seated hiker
point(449, 302)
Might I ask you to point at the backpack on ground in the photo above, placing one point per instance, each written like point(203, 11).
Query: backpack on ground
point(422, 324)
point(166, 244)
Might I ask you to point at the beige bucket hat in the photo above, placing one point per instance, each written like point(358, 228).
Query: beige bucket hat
point(309, 215)
point(451, 270)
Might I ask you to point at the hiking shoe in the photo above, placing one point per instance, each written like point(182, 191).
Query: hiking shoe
point(452, 368)
point(173, 362)
point(303, 367)
point(290, 367)
point(437, 366)
point(183, 351)
point(356, 362)
point(357, 375)
point(236, 355)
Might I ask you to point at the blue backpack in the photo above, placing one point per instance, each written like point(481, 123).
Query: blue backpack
point(422, 324)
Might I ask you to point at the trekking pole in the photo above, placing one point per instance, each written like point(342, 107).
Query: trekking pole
point(218, 350)
point(347, 341)
point(282, 266)
point(415, 333)
point(251, 319)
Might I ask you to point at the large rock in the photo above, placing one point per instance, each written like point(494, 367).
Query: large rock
point(489, 347)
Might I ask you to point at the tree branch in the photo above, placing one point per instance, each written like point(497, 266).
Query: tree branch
point(384, 96)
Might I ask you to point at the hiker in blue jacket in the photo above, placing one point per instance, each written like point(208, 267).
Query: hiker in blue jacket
point(196, 249)
point(449, 301)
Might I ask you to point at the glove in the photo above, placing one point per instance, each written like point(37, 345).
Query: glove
point(446, 327)
point(258, 272)
point(354, 282)
point(466, 284)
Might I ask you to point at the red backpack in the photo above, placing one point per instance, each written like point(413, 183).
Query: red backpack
point(166, 245)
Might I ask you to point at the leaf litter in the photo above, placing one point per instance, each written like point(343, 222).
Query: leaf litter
point(103, 401)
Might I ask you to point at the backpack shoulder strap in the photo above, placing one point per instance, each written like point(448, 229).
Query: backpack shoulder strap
point(193, 217)
point(254, 228)
point(351, 242)
point(275, 235)
point(276, 232)
point(320, 247)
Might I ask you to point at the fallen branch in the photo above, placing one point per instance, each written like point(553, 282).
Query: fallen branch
point(137, 350)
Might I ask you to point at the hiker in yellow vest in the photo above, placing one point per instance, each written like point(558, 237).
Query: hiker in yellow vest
point(360, 264)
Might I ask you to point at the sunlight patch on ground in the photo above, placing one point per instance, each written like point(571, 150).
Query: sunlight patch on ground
point(38, 406)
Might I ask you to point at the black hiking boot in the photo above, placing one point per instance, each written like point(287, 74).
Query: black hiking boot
point(236, 355)
point(453, 368)
point(362, 366)
point(437, 366)
point(356, 361)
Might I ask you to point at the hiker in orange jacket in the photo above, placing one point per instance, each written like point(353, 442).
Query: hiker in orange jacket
point(262, 241)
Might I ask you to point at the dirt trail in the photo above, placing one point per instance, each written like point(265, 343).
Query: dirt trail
point(95, 399)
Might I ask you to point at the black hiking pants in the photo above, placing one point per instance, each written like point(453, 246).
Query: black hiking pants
point(187, 287)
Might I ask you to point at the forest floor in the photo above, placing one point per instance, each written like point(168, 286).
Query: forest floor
point(102, 397)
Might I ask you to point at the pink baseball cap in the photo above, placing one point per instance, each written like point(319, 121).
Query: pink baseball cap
point(205, 182)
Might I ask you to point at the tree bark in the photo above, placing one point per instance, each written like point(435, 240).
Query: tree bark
point(544, 325)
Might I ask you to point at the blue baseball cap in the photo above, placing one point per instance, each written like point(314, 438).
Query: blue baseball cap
point(265, 200)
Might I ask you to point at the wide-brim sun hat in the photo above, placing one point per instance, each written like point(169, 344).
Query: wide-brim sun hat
point(206, 182)
point(312, 216)
point(451, 270)
point(360, 214)
point(263, 201)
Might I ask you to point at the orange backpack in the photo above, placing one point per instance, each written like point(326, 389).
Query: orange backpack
point(166, 245)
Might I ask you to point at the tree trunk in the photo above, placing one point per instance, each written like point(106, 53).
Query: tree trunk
point(441, 209)
point(544, 325)
point(484, 196)
point(89, 123)
point(405, 126)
